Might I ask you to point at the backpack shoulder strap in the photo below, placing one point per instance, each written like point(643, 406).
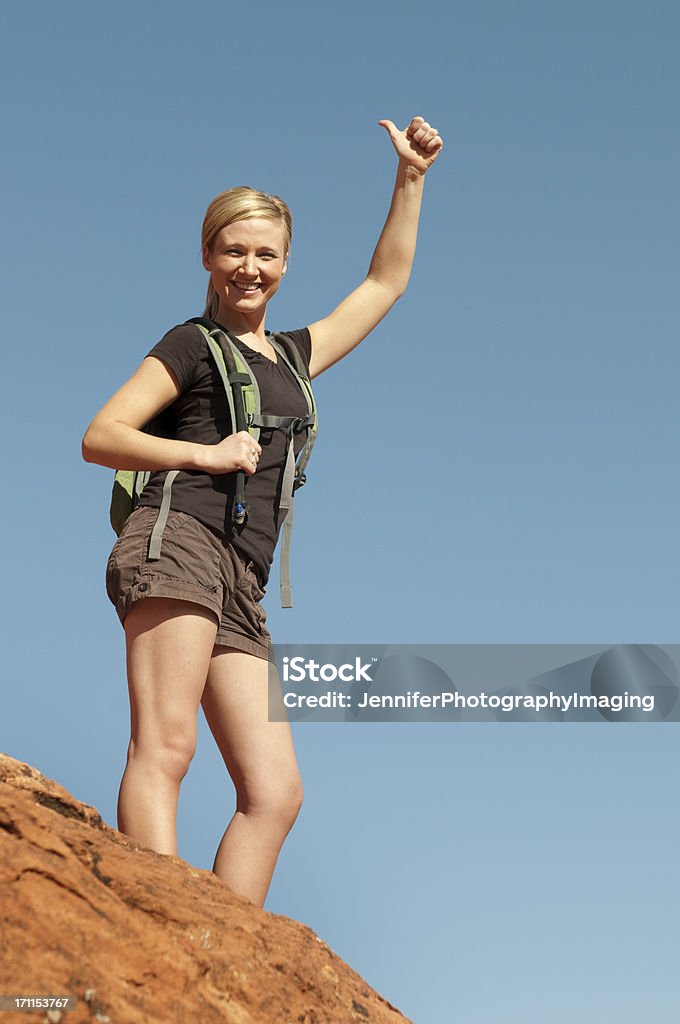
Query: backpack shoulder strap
point(294, 475)
point(240, 385)
point(243, 396)
point(291, 355)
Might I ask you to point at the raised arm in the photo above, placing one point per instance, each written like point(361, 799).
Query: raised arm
point(418, 146)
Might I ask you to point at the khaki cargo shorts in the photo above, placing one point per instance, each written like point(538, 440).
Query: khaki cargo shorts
point(195, 565)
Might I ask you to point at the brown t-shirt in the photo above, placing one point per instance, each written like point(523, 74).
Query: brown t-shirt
point(201, 414)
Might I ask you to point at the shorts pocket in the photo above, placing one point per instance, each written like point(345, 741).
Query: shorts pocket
point(189, 554)
point(128, 553)
point(174, 521)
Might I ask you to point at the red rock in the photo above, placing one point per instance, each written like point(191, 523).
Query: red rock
point(140, 937)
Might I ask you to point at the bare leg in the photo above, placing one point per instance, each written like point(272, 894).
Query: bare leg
point(260, 758)
point(169, 644)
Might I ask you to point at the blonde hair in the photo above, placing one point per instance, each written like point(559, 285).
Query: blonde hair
point(241, 203)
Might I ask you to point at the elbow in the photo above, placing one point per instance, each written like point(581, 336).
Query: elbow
point(392, 288)
point(400, 284)
point(86, 447)
point(90, 446)
point(395, 293)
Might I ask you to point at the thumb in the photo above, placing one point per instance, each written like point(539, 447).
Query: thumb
point(391, 128)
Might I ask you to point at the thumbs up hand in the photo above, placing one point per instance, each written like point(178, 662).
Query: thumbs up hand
point(418, 145)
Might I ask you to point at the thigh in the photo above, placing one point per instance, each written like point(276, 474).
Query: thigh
point(169, 645)
point(259, 754)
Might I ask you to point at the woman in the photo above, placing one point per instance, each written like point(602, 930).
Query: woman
point(195, 631)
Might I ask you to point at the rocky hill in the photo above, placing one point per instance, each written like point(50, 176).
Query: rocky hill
point(139, 937)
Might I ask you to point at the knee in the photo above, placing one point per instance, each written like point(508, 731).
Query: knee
point(286, 804)
point(171, 760)
point(293, 801)
point(176, 760)
point(278, 803)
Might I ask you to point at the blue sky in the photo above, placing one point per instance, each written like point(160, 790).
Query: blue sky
point(496, 463)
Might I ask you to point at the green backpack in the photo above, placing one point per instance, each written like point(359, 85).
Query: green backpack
point(243, 399)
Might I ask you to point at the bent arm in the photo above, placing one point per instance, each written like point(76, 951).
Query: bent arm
point(115, 439)
point(342, 330)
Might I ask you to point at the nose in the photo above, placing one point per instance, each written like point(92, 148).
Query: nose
point(249, 265)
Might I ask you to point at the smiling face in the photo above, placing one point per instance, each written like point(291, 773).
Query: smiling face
point(246, 263)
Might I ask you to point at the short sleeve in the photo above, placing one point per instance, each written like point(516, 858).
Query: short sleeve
point(302, 340)
point(180, 349)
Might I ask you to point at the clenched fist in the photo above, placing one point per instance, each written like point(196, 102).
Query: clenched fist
point(238, 451)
